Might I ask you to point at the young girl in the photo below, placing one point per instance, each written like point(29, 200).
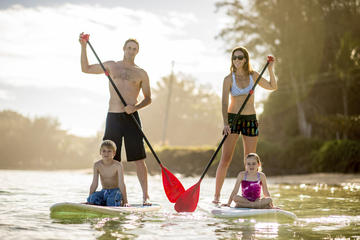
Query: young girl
point(251, 181)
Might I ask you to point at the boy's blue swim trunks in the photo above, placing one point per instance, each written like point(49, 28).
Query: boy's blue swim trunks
point(106, 197)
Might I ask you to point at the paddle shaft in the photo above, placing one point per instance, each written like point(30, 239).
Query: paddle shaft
point(123, 101)
point(235, 120)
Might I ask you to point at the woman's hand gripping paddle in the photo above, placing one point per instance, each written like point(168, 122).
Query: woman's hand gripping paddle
point(172, 186)
point(187, 202)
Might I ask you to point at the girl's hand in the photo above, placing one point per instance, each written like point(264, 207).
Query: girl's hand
point(225, 205)
point(126, 205)
point(226, 130)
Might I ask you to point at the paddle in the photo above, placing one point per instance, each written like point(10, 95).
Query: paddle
point(172, 186)
point(187, 202)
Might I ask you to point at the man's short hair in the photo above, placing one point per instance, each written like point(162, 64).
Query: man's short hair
point(132, 40)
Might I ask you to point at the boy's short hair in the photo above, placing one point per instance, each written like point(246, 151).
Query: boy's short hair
point(109, 144)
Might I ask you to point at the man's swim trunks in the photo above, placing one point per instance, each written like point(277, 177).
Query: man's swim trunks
point(121, 125)
point(246, 125)
point(106, 197)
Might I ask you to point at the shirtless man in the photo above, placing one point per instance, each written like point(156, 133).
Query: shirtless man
point(129, 79)
point(112, 179)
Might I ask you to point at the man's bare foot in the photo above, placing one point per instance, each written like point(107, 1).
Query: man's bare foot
point(147, 202)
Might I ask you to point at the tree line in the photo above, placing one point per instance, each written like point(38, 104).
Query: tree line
point(40, 143)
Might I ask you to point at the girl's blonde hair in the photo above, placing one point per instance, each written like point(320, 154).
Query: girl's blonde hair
point(257, 159)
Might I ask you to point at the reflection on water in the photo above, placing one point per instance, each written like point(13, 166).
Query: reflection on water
point(324, 211)
point(114, 228)
point(247, 229)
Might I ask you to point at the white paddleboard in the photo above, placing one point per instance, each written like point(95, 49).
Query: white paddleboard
point(68, 207)
point(231, 212)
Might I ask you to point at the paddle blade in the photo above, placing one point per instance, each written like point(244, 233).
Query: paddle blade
point(172, 186)
point(187, 202)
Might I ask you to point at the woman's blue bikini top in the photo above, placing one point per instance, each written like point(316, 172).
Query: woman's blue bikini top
point(236, 91)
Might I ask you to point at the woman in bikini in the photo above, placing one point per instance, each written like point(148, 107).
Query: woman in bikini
point(238, 84)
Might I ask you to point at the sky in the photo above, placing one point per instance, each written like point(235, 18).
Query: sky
point(40, 53)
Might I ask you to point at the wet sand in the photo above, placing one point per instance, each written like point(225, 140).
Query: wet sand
point(316, 178)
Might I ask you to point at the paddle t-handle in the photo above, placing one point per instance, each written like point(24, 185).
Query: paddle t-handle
point(270, 59)
point(85, 37)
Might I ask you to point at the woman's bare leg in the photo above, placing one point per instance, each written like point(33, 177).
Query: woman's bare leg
point(226, 157)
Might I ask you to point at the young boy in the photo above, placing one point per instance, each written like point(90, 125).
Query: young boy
point(112, 179)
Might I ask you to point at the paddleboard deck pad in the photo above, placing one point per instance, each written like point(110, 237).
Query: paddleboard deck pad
point(231, 212)
point(68, 207)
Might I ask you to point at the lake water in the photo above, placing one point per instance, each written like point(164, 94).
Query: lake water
point(324, 211)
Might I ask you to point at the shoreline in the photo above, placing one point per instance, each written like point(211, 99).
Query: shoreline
point(316, 178)
point(311, 178)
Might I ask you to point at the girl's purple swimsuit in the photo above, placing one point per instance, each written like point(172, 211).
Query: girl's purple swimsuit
point(251, 190)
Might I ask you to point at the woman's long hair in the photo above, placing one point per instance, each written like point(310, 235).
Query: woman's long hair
point(247, 66)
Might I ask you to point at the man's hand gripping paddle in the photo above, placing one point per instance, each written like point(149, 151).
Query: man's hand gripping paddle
point(187, 202)
point(172, 186)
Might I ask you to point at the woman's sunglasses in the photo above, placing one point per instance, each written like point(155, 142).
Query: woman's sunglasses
point(240, 57)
